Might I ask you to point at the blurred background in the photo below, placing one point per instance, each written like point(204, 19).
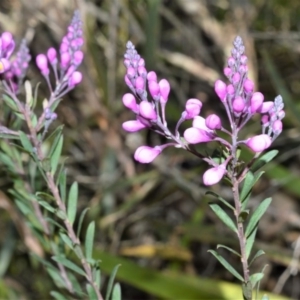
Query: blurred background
point(154, 219)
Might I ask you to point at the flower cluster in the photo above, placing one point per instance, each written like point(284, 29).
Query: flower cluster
point(238, 98)
point(70, 57)
point(7, 46)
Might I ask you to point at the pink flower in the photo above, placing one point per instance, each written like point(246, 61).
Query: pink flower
point(130, 102)
point(133, 125)
point(195, 135)
point(220, 89)
point(259, 142)
point(214, 175)
point(213, 122)
point(257, 100)
point(145, 154)
point(164, 87)
point(192, 108)
point(147, 111)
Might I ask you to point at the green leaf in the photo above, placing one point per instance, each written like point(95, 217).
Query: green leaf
point(54, 143)
point(220, 198)
point(68, 264)
point(97, 275)
point(229, 249)
point(258, 254)
point(256, 277)
point(223, 216)
point(81, 220)
point(247, 290)
point(249, 242)
point(91, 292)
point(47, 206)
point(89, 240)
point(66, 240)
point(76, 286)
point(72, 202)
point(25, 142)
point(116, 294)
point(57, 295)
point(111, 282)
point(256, 216)
point(10, 103)
point(262, 160)
point(226, 265)
point(63, 185)
point(54, 159)
point(249, 182)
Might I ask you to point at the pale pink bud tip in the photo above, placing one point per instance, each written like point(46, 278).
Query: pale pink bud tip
point(133, 126)
point(195, 135)
point(151, 76)
point(164, 87)
point(192, 108)
point(153, 88)
point(130, 102)
point(52, 55)
point(42, 63)
point(238, 104)
point(213, 122)
point(259, 143)
point(147, 111)
point(145, 154)
point(214, 175)
point(220, 89)
point(75, 79)
point(256, 101)
point(248, 85)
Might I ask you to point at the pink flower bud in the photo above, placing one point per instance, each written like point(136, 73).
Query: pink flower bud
point(52, 56)
point(153, 89)
point(65, 59)
point(281, 114)
point(238, 104)
point(75, 79)
point(151, 76)
point(231, 61)
point(141, 62)
point(214, 175)
point(195, 135)
point(265, 119)
point(42, 63)
point(192, 108)
point(133, 126)
point(227, 71)
point(131, 72)
point(130, 102)
point(145, 154)
point(236, 78)
point(142, 71)
point(127, 81)
point(78, 57)
point(213, 122)
point(140, 83)
point(230, 89)
point(248, 85)
point(257, 100)
point(277, 127)
point(164, 87)
point(7, 39)
point(147, 111)
point(265, 107)
point(259, 142)
point(199, 122)
point(220, 89)
point(243, 59)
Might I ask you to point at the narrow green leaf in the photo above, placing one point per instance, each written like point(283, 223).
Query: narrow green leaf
point(76, 286)
point(81, 220)
point(258, 254)
point(55, 141)
point(223, 216)
point(249, 182)
point(249, 242)
point(91, 292)
point(47, 206)
point(54, 159)
point(111, 282)
point(256, 277)
point(256, 216)
point(220, 198)
point(10, 102)
point(63, 185)
point(229, 249)
point(72, 202)
point(116, 294)
point(69, 264)
point(89, 240)
point(97, 276)
point(262, 160)
point(66, 240)
point(57, 295)
point(247, 290)
point(226, 265)
point(25, 142)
